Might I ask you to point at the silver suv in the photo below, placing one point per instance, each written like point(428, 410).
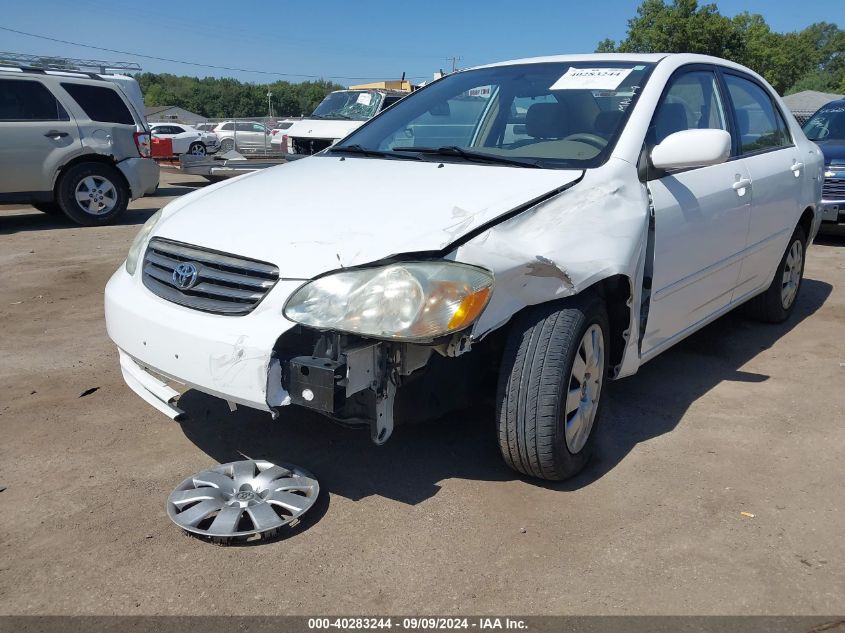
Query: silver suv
point(72, 143)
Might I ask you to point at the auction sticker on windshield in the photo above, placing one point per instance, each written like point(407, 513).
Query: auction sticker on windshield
point(365, 98)
point(591, 79)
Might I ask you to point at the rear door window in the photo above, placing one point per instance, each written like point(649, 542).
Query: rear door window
point(761, 127)
point(100, 103)
point(29, 101)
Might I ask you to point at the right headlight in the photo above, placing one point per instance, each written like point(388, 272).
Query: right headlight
point(139, 241)
point(409, 301)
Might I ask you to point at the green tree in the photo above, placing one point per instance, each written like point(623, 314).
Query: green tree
point(812, 59)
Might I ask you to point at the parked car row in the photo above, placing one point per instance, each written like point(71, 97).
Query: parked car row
point(186, 139)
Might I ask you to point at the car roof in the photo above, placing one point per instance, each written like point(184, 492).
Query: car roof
point(646, 58)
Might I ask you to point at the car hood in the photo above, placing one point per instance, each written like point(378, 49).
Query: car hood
point(323, 128)
point(323, 212)
point(834, 151)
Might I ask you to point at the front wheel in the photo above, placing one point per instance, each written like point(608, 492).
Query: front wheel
point(777, 302)
point(550, 387)
point(227, 144)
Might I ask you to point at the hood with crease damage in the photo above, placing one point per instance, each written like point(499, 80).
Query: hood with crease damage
point(323, 213)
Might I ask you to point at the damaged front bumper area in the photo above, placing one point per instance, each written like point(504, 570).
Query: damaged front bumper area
point(263, 361)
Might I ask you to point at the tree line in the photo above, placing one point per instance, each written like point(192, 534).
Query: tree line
point(221, 98)
point(810, 59)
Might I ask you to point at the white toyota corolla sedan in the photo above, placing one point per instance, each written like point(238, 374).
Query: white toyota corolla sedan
point(534, 228)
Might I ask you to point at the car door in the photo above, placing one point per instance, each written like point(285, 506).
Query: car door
point(37, 136)
point(700, 216)
point(776, 169)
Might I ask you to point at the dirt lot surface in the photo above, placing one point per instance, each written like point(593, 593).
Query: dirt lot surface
point(739, 418)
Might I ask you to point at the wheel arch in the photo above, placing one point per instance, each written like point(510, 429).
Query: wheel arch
point(806, 222)
point(88, 158)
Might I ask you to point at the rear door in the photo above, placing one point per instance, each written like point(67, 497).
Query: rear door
point(37, 136)
point(700, 216)
point(774, 164)
point(105, 121)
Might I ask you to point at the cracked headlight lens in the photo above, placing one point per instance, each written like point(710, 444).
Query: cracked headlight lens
point(138, 242)
point(408, 301)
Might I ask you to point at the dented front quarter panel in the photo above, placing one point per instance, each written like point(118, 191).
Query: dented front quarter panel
point(594, 230)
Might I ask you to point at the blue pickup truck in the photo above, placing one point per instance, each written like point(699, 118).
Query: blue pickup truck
point(827, 129)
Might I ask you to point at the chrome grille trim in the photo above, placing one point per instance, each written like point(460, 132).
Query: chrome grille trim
point(226, 284)
point(833, 189)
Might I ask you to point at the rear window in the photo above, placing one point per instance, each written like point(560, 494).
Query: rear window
point(100, 103)
point(28, 101)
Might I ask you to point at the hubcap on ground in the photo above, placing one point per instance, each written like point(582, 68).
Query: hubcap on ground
point(96, 195)
point(242, 500)
point(584, 389)
point(791, 278)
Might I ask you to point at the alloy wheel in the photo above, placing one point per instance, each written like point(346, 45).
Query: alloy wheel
point(791, 278)
point(584, 389)
point(96, 195)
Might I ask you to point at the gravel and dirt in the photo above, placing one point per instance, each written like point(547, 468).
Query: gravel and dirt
point(718, 486)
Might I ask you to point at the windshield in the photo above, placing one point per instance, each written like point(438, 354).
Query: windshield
point(828, 124)
point(355, 105)
point(553, 115)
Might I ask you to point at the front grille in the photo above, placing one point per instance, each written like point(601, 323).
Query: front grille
point(833, 189)
point(310, 145)
point(225, 284)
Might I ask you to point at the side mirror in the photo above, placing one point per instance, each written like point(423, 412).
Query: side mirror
point(692, 148)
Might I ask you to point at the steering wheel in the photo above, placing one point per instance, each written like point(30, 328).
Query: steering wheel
point(590, 139)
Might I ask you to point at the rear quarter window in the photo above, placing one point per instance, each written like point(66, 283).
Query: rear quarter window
point(100, 103)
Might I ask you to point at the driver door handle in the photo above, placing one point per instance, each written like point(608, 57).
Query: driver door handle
point(55, 134)
point(796, 168)
point(741, 185)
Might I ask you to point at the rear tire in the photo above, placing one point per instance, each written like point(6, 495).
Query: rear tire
point(197, 149)
point(778, 301)
point(227, 144)
point(92, 194)
point(552, 374)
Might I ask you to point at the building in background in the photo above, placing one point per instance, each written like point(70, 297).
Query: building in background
point(172, 113)
point(803, 104)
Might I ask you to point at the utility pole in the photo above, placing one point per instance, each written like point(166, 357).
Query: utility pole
point(454, 61)
point(269, 104)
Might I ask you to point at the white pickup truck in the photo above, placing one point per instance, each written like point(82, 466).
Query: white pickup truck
point(337, 116)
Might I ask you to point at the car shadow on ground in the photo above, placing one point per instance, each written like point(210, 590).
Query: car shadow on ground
point(410, 467)
point(38, 221)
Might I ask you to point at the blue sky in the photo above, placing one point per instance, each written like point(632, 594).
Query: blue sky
point(346, 40)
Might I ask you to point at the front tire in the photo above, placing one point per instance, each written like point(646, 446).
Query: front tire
point(777, 302)
point(92, 194)
point(550, 387)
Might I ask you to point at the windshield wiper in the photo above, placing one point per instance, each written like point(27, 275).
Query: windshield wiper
point(364, 151)
point(454, 150)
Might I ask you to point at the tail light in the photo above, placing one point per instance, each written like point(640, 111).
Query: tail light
point(274, 132)
point(142, 142)
point(285, 147)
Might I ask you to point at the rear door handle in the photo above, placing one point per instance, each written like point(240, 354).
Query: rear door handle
point(796, 168)
point(741, 185)
point(55, 134)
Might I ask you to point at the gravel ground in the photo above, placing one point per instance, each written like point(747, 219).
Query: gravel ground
point(739, 418)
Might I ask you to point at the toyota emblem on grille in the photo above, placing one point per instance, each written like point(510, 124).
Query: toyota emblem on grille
point(185, 276)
